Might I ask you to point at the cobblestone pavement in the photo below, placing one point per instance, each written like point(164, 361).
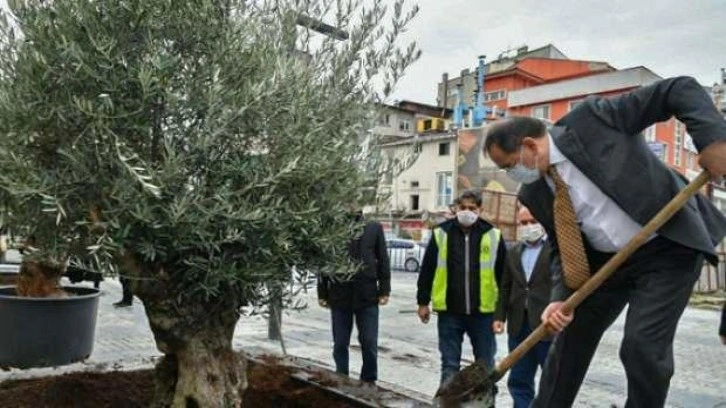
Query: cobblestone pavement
point(408, 355)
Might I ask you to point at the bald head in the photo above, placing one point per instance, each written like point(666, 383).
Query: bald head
point(519, 140)
point(525, 217)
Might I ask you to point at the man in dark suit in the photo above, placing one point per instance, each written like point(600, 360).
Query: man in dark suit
point(523, 296)
point(358, 299)
point(594, 173)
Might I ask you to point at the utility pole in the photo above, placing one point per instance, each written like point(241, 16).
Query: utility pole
point(276, 289)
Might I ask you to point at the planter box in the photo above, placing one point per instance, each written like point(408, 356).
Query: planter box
point(44, 332)
point(273, 382)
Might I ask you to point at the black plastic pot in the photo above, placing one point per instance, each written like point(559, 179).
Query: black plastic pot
point(9, 274)
point(45, 332)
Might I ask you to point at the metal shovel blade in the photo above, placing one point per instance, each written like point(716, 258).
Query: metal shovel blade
point(474, 386)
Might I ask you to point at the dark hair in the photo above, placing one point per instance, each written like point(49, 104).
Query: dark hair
point(508, 133)
point(470, 195)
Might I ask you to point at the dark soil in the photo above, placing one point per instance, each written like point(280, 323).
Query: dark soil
point(269, 386)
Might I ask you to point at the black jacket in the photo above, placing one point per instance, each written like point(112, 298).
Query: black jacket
point(373, 279)
point(517, 295)
point(456, 281)
point(601, 137)
point(722, 329)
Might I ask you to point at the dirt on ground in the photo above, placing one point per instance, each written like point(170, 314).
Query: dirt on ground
point(270, 385)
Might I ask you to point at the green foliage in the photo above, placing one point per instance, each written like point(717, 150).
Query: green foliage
point(215, 140)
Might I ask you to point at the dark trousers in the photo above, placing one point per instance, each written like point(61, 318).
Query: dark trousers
point(128, 297)
point(451, 327)
point(656, 284)
point(521, 377)
point(366, 321)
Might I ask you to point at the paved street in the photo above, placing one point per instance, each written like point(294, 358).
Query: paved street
point(408, 349)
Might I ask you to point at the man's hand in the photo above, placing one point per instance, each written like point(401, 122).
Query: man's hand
point(323, 303)
point(554, 318)
point(424, 313)
point(498, 327)
point(713, 159)
point(723, 340)
point(383, 300)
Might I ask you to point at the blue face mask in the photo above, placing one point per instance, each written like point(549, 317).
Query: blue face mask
point(523, 174)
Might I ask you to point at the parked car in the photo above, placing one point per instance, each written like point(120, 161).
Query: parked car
point(405, 254)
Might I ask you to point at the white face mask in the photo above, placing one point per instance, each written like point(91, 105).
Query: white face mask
point(523, 174)
point(466, 218)
point(531, 232)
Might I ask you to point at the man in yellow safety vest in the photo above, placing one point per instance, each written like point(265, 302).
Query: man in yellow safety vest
point(459, 277)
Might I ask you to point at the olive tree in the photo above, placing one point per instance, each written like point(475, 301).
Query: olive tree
point(200, 148)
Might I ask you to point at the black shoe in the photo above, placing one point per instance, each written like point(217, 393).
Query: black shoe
point(123, 303)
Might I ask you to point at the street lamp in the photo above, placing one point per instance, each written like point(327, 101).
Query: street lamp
point(321, 27)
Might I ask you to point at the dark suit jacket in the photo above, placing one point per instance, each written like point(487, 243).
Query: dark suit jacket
point(601, 138)
point(516, 294)
point(372, 280)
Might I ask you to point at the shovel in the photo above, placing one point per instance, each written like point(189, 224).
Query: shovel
point(476, 386)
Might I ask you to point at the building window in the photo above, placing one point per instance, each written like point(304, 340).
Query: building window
point(664, 157)
point(428, 124)
point(414, 184)
point(679, 127)
point(541, 112)
point(678, 148)
point(404, 125)
point(385, 120)
point(444, 188)
point(418, 147)
point(649, 134)
point(689, 160)
point(444, 149)
point(495, 95)
point(660, 150)
point(414, 202)
point(388, 177)
point(574, 104)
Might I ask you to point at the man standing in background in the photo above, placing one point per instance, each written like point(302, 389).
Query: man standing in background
point(523, 296)
point(358, 299)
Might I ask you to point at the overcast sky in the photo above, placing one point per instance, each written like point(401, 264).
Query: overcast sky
point(671, 37)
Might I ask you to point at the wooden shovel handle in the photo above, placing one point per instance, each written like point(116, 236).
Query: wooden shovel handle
point(606, 270)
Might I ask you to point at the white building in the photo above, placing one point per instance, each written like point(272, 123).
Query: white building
point(395, 122)
point(428, 183)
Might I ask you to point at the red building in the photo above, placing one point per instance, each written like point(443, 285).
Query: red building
point(668, 140)
point(544, 83)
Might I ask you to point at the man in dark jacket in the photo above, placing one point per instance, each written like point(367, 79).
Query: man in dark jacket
point(523, 296)
point(459, 276)
point(358, 299)
point(592, 182)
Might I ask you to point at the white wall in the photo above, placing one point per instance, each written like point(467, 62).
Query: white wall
point(392, 128)
point(423, 170)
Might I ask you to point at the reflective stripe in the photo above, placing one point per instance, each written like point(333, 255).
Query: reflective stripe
point(438, 293)
point(488, 290)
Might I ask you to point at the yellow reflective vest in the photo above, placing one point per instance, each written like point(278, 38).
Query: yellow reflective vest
point(488, 290)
